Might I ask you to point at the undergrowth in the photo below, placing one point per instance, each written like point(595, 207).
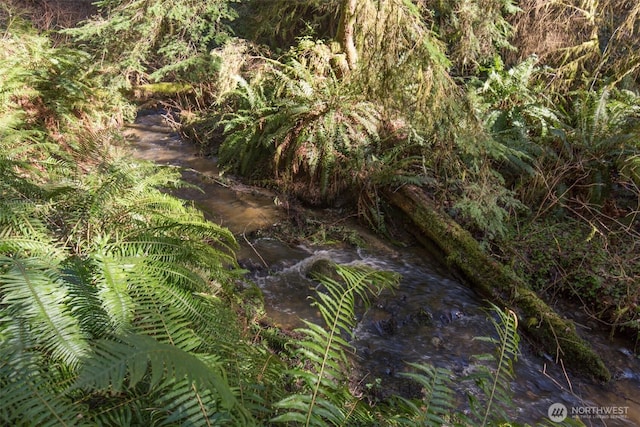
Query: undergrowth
point(577, 260)
point(117, 301)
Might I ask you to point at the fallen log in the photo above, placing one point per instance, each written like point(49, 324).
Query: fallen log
point(499, 284)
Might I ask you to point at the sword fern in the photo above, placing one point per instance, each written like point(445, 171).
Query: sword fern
point(323, 398)
point(495, 377)
point(436, 405)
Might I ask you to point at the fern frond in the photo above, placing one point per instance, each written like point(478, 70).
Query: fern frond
point(32, 395)
point(22, 230)
point(324, 397)
point(323, 412)
point(495, 380)
point(438, 396)
point(33, 291)
point(158, 317)
point(184, 403)
point(110, 279)
point(120, 365)
point(187, 264)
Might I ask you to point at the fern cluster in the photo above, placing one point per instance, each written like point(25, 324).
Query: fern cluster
point(156, 40)
point(112, 302)
point(326, 132)
point(122, 303)
point(315, 133)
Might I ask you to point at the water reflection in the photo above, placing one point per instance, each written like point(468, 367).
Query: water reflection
point(225, 204)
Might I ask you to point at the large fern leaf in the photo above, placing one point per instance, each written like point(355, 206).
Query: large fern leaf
point(496, 374)
point(122, 364)
point(324, 399)
point(33, 291)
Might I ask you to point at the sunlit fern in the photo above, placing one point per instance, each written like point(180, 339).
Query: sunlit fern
point(55, 304)
point(95, 253)
point(495, 373)
point(313, 129)
point(323, 397)
point(167, 39)
point(53, 89)
point(599, 137)
point(144, 267)
point(514, 113)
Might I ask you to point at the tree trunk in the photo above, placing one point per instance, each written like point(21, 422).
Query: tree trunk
point(346, 31)
point(499, 284)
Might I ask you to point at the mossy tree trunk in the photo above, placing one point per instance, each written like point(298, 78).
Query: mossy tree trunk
point(499, 284)
point(346, 29)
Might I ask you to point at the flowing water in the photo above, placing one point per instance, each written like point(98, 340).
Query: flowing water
point(430, 318)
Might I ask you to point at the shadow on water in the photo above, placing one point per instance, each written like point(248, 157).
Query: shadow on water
point(431, 317)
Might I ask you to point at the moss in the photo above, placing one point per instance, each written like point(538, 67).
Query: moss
point(160, 90)
point(499, 283)
point(560, 334)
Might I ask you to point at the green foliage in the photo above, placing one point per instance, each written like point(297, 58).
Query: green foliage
point(104, 272)
point(404, 67)
point(72, 297)
point(300, 123)
point(280, 23)
point(601, 131)
point(114, 296)
point(575, 259)
point(52, 101)
point(322, 398)
point(32, 394)
point(35, 296)
point(157, 39)
point(436, 406)
point(326, 132)
point(562, 151)
point(485, 206)
point(473, 30)
point(495, 381)
point(590, 155)
point(122, 364)
point(493, 374)
point(515, 111)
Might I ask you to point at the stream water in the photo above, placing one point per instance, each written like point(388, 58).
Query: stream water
point(431, 318)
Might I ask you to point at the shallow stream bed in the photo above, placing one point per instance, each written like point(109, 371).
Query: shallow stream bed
point(431, 318)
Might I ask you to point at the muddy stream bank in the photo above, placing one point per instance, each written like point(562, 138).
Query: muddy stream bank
point(430, 318)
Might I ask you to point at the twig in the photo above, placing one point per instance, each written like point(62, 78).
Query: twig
point(544, 372)
point(254, 250)
point(566, 376)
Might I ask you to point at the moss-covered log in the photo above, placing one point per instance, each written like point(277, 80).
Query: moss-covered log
point(499, 283)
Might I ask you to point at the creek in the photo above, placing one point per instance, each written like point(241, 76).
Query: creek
point(432, 317)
